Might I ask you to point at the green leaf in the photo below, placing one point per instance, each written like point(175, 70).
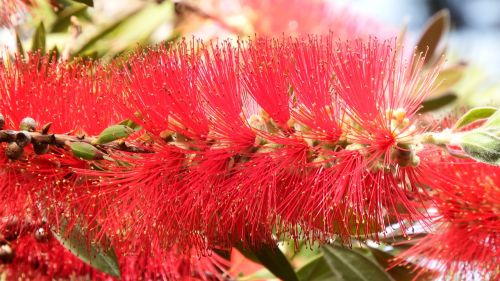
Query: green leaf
point(273, 259)
point(95, 254)
point(401, 272)
point(39, 39)
point(113, 133)
point(63, 19)
point(435, 30)
point(316, 270)
point(482, 144)
point(474, 114)
point(437, 103)
point(127, 32)
point(131, 124)
point(448, 78)
point(350, 265)
point(89, 3)
point(493, 122)
point(86, 151)
point(19, 46)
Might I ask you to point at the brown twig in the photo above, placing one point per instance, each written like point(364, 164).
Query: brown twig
point(62, 139)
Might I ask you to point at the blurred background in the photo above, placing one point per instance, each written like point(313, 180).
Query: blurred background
point(109, 28)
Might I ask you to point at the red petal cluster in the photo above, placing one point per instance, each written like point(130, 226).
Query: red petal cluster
point(465, 243)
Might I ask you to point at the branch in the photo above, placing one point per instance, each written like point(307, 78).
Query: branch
point(60, 140)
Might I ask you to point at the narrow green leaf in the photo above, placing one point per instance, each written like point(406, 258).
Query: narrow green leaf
point(19, 46)
point(437, 103)
point(39, 39)
point(316, 270)
point(474, 114)
point(435, 30)
point(273, 259)
point(96, 255)
point(123, 34)
point(113, 133)
point(86, 151)
point(350, 265)
point(482, 144)
point(89, 3)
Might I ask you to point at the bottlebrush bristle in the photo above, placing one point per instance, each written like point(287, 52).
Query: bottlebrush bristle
point(309, 138)
point(464, 244)
point(276, 134)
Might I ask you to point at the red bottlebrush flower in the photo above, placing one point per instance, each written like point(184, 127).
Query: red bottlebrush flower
point(464, 243)
point(330, 153)
point(49, 92)
point(367, 176)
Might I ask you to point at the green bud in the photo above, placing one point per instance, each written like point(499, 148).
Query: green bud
point(86, 151)
point(113, 133)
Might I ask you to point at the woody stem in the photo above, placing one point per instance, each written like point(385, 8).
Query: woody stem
point(62, 139)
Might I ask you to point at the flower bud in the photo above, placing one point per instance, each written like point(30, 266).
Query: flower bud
point(2, 121)
point(13, 151)
point(6, 254)
point(23, 139)
point(40, 148)
point(41, 234)
point(28, 124)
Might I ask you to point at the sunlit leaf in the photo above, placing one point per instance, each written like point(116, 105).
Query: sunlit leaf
point(448, 78)
point(483, 143)
point(473, 115)
point(127, 32)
